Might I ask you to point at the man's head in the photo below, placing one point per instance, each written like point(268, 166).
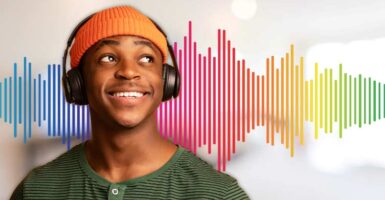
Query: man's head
point(121, 55)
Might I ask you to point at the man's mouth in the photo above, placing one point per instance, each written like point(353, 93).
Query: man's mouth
point(134, 94)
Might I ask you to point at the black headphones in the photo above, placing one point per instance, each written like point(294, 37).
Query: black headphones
point(74, 88)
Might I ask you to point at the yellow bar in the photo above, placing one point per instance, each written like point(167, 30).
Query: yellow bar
point(316, 101)
point(291, 100)
point(302, 122)
point(311, 100)
point(321, 100)
point(296, 101)
point(326, 101)
point(306, 100)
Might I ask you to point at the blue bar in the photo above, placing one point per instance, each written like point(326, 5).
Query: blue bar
point(39, 97)
point(44, 99)
point(54, 100)
point(83, 123)
point(78, 120)
point(88, 122)
point(34, 100)
point(5, 100)
point(73, 119)
point(59, 94)
point(1, 100)
point(15, 100)
point(64, 125)
point(49, 100)
point(68, 127)
point(20, 99)
point(29, 100)
point(10, 100)
point(25, 100)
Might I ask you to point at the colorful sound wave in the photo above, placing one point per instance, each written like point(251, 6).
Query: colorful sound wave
point(221, 99)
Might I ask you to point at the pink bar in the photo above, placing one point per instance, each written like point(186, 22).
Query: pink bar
point(201, 124)
point(189, 85)
point(180, 100)
point(185, 93)
point(219, 100)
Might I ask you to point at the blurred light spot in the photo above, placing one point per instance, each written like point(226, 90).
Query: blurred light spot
point(244, 9)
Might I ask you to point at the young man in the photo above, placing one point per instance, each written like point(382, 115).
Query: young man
point(121, 54)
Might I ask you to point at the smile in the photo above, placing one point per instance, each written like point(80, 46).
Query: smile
point(128, 94)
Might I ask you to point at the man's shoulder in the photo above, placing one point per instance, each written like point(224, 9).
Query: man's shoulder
point(59, 167)
point(199, 170)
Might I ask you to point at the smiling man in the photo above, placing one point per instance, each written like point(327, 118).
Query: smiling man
point(120, 56)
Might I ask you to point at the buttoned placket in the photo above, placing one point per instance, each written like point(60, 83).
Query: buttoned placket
point(116, 192)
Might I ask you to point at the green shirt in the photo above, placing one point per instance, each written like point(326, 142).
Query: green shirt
point(184, 176)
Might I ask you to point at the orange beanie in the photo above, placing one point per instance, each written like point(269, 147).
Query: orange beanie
point(121, 20)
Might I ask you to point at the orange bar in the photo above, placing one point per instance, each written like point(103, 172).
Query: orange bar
point(282, 102)
point(287, 101)
point(277, 101)
point(267, 101)
point(272, 118)
point(263, 101)
point(258, 106)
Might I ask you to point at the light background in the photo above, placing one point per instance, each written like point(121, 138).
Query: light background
point(329, 32)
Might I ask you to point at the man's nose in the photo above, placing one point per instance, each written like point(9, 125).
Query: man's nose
point(127, 69)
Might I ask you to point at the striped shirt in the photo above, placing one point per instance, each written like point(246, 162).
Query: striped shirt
point(184, 176)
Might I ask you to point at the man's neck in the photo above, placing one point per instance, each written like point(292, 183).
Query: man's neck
point(119, 155)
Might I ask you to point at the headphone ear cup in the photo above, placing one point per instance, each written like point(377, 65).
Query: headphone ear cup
point(75, 83)
point(171, 82)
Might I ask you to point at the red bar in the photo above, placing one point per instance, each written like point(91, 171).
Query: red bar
point(248, 102)
point(209, 97)
point(239, 100)
point(210, 93)
point(185, 92)
point(194, 110)
point(228, 102)
point(180, 100)
point(189, 85)
point(244, 100)
point(253, 100)
point(201, 124)
point(219, 100)
point(224, 102)
point(175, 131)
point(233, 95)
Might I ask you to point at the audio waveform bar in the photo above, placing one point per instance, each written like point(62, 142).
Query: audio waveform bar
point(221, 100)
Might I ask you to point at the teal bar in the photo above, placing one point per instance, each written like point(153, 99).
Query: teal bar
point(1, 102)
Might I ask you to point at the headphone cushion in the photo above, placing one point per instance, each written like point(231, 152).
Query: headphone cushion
point(77, 90)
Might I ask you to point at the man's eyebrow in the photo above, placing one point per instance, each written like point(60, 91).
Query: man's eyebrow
point(106, 42)
point(145, 43)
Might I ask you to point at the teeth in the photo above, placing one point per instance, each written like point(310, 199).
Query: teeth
point(128, 94)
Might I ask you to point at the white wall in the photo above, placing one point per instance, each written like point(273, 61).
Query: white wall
point(39, 30)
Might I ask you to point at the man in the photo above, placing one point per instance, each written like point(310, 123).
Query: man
point(120, 53)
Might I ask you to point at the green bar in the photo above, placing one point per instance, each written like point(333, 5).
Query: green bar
point(364, 101)
point(383, 87)
point(355, 100)
point(340, 99)
point(370, 100)
point(360, 101)
point(335, 100)
point(374, 101)
point(331, 101)
point(345, 101)
point(350, 100)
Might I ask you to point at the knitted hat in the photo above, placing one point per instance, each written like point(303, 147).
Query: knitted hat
point(121, 20)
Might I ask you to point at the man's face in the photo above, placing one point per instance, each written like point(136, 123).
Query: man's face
point(123, 78)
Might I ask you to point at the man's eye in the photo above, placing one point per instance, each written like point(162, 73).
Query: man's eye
point(147, 59)
point(107, 59)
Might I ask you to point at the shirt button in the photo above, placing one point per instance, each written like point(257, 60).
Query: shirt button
point(115, 191)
